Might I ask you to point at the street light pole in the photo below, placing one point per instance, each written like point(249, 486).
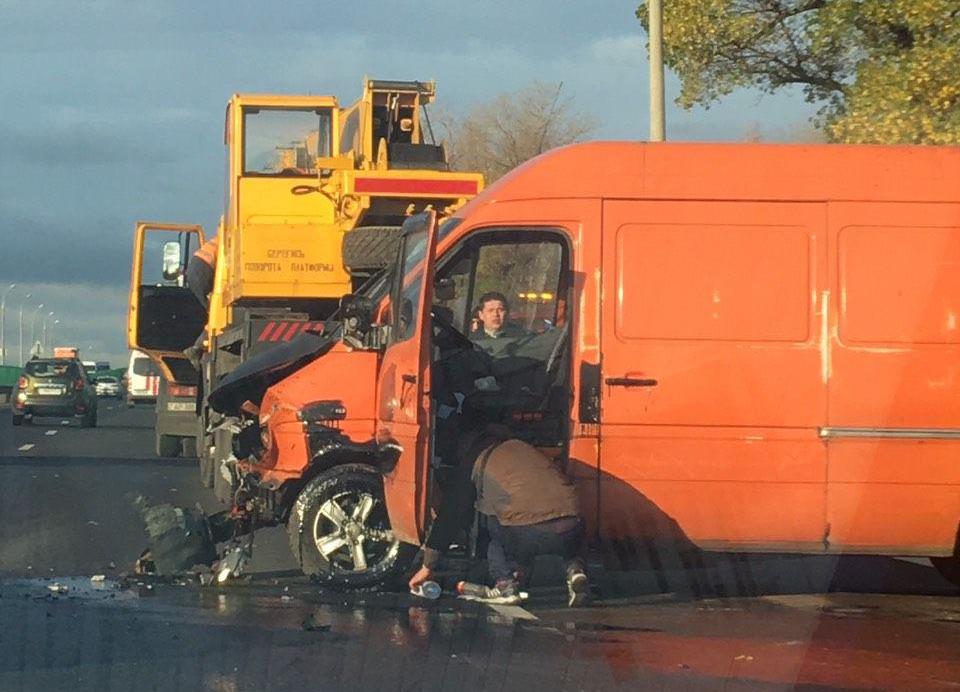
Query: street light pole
point(33, 326)
point(657, 112)
point(52, 325)
point(3, 341)
point(21, 327)
point(43, 334)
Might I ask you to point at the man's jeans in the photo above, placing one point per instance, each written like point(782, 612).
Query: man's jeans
point(518, 545)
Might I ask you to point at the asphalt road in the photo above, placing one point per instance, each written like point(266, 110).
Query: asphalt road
point(721, 622)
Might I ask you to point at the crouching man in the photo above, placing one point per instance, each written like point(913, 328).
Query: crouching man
point(527, 505)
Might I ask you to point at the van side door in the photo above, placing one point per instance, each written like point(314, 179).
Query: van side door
point(403, 386)
point(164, 317)
point(713, 381)
point(893, 432)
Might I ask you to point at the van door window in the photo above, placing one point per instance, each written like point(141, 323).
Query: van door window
point(506, 292)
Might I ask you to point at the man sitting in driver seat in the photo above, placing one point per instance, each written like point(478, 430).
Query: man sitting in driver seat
point(491, 321)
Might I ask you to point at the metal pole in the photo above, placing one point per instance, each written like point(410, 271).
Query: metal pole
point(33, 326)
point(21, 328)
point(657, 112)
point(3, 341)
point(52, 325)
point(43, 334)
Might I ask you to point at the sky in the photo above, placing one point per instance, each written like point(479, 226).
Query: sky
point(113, 112)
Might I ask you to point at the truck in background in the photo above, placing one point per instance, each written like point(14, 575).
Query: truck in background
point(315, 198)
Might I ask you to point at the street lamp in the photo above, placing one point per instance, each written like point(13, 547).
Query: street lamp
point(3, 342)
point(52, 325)
point(33, 326)
point(43, 333)
point(21, 326)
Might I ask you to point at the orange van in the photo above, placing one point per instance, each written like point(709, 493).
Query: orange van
point(747, 347)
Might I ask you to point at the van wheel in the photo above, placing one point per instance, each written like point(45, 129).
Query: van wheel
point(369, 248)
point(949, 568)
point(340, 533)
point(167, 446)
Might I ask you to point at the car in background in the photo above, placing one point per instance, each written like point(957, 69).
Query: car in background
point(143, 379)
point(54, 387)
point(108, 385)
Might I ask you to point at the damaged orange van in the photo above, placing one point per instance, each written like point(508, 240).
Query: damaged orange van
point(747, 347)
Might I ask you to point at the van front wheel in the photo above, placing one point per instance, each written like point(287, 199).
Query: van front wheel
point(949, 568)
point(340, 532)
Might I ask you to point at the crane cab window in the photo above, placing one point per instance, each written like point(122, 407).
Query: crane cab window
point(285, 142)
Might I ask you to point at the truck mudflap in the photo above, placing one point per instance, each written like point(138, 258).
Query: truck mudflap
point(251, 379)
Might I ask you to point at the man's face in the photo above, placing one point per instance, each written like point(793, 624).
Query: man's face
point(492, 314)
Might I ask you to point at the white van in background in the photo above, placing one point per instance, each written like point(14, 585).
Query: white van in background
point(143, 379)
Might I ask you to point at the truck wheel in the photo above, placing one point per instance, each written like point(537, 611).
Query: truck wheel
point(340, 533)
point(949, 568)
point(167, 445)
point(369, 248)
point(17, 420)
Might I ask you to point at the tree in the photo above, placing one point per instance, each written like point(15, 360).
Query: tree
point(499, 135)
point(884, 70)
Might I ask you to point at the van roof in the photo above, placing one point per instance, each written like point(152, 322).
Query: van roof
point(673, 170)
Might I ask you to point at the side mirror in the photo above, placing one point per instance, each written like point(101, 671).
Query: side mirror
point(444, 289)
point(172, 257)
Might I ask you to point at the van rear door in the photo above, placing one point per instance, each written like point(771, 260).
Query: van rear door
point(164, 317)
point(713, 383)
point(893, 433)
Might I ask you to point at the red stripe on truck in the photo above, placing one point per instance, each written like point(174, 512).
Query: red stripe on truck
point(266, 330)
point(386, 186)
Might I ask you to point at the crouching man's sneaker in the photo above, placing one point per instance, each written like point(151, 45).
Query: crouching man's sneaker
point(578, 587)
point(506, 592)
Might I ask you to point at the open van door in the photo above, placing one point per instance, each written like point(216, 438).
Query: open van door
point(164, 317)
point(403, 388)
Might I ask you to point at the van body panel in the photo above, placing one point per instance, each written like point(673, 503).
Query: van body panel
point(894, 397)
point(712, 310)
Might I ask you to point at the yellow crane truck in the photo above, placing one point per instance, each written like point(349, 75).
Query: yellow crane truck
point(315, 197)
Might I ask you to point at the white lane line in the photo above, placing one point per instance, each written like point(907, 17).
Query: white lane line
point(25, 448)
point(512, 611)
point(50, 432)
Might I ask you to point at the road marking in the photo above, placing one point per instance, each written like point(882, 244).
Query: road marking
point(513, 611)
point(50, 432)
point(25, 448)
point(64, 422)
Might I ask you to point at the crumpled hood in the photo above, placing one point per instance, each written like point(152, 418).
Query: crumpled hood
point(251, 380)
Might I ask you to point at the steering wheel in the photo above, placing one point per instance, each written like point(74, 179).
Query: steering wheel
point(445, 328)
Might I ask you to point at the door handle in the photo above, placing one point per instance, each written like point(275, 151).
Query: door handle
point(630, 382)
point(408, 378)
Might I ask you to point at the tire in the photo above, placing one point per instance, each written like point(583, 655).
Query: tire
point(949, 568)
point(167, 446)
point(18, 420)
point(369, 248)
point(344, 486)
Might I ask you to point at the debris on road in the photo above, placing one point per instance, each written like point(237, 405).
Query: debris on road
point(57, 587)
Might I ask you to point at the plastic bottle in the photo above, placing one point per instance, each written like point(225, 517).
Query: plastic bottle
point(429, 589)
point(466, 588)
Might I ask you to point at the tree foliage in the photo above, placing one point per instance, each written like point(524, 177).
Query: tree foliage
point(496, 136)
point(884, 70)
